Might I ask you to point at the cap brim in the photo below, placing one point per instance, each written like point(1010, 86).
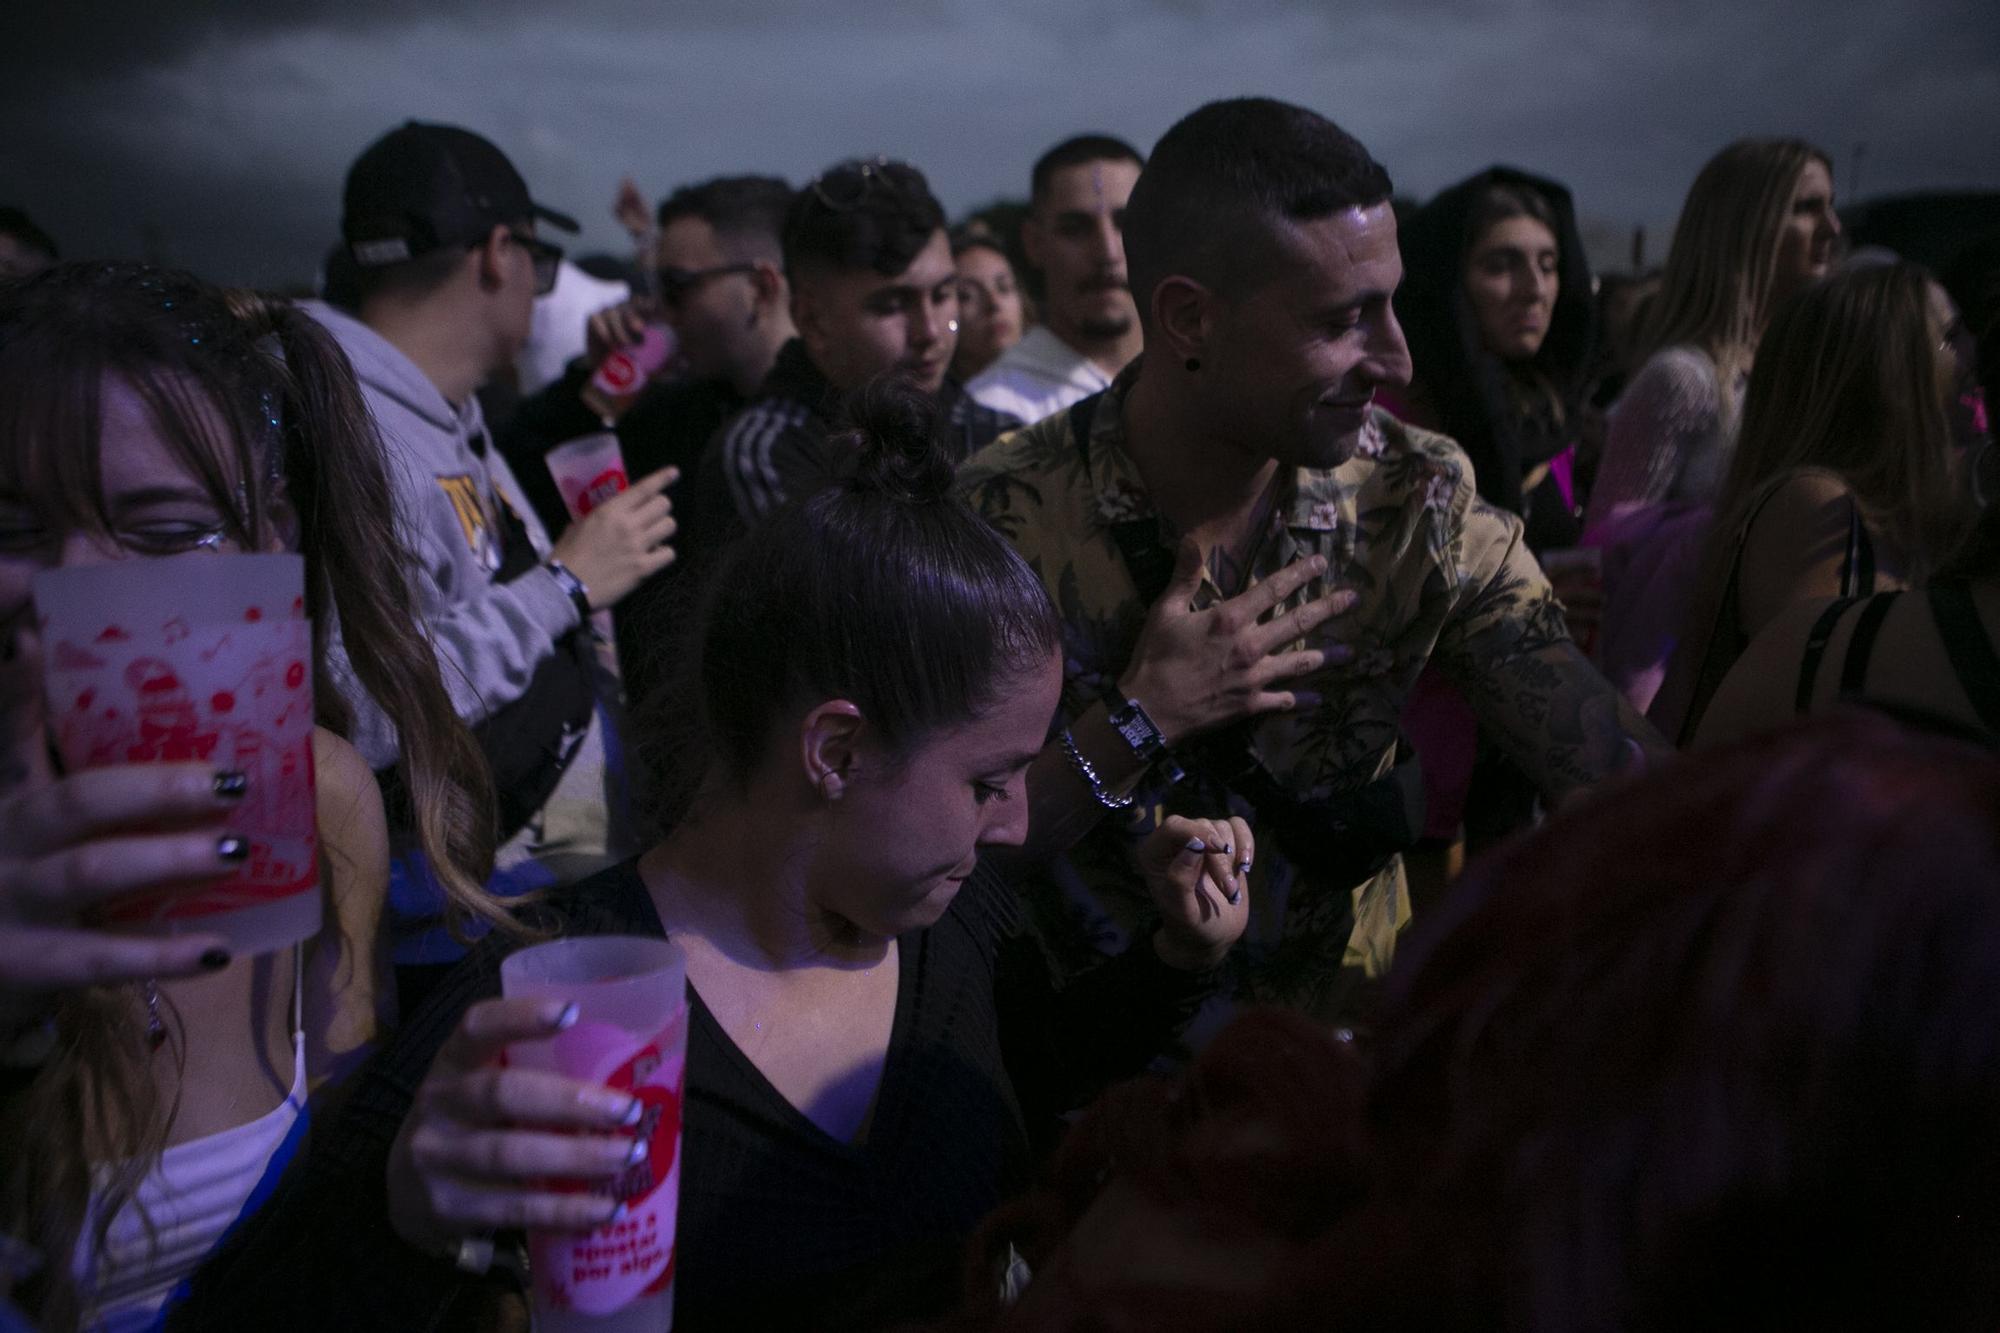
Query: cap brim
point(560, 221)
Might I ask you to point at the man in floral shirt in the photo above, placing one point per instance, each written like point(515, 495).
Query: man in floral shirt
point(1253, 564)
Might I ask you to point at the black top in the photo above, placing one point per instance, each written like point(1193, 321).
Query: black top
point(667, 426)
point(1970, 649)
point(780, 1225)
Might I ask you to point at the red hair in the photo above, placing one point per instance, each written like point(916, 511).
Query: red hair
point(1720, 1047)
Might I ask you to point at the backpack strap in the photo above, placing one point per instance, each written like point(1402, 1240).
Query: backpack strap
point(1966, 642)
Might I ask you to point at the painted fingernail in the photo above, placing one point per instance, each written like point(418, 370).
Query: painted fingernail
point(635, 1111)
point(1195, 845)
point(232, 848)
point(1235, 896)
point(1243, 869)
point(637, 1152)
point(215, 959)
point(565, 1018)
point(617, 1214)
point(230, 785)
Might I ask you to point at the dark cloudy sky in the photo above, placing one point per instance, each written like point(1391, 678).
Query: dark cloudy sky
point(218, 133)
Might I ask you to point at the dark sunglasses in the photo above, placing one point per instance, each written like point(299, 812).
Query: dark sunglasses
point(844, 187)
point(676, 285)
point(546, 258)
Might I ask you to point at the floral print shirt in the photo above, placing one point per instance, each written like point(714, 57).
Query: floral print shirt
point(1440, 575)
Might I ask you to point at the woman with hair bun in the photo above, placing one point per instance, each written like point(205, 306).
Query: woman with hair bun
point(874, 1046)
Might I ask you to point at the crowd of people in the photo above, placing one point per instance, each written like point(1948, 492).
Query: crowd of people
point(1047, 675)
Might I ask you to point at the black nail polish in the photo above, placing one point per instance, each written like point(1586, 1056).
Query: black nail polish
point(232, 848)
point(215, 959)
point(230, 785)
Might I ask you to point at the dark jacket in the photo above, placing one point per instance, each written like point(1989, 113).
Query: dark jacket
point(1464, 385)
point(778, 448)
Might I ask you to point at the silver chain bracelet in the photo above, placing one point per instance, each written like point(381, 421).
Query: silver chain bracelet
point(1088, 772)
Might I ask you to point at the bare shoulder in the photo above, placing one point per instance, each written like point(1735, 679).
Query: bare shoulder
point(1760, 690)
point(353, 829)
point(1804, 520)
point(344, 786)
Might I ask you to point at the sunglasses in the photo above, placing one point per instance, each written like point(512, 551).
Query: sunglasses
point(676, 285)
point(546, 258)
point(844, 187)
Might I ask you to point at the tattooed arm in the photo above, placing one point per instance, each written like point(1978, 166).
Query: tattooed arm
point(1507, 649)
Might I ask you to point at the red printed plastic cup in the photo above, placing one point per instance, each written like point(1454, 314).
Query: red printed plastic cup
point(588, 471)
point(205, 658)
point(631, 1035)
point(623, 375)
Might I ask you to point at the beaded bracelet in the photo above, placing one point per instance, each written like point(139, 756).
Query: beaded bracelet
point(1088, 773)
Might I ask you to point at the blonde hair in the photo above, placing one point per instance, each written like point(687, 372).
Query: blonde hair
point(1715, 292)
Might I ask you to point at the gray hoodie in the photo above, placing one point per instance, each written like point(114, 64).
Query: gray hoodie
point(489, 636)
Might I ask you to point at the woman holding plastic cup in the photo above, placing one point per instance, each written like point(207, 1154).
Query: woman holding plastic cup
point(872, 1042)
point(150, 1082)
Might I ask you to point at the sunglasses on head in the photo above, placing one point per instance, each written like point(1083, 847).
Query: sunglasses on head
point(844, 187)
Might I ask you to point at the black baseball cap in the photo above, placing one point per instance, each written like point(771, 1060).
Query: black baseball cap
point(422, 187)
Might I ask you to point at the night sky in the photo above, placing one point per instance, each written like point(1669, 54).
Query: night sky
point(216, 135)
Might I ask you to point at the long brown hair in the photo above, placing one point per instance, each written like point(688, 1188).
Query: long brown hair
point(1847, 382)
point(1716, 289)
point(260, 407)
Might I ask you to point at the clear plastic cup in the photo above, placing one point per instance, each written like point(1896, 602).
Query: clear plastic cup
point(208, 658)
point(588, 471)
point(631, 1035)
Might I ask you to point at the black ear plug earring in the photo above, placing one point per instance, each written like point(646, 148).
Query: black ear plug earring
point(1194, 363)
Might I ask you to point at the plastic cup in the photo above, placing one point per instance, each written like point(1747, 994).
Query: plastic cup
point(588, 471)
point(197, 657)
point(623, 375)
point(631, 1035)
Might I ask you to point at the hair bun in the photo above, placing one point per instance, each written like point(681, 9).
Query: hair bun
point(897, 443)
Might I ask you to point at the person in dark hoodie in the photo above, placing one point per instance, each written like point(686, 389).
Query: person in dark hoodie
point(1497, 308)
point(874, 292)
point(1496, 305)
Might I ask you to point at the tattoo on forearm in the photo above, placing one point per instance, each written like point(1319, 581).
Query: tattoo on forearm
point(1556, 716)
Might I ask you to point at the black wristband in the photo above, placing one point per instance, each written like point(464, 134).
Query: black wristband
point(571, 584)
